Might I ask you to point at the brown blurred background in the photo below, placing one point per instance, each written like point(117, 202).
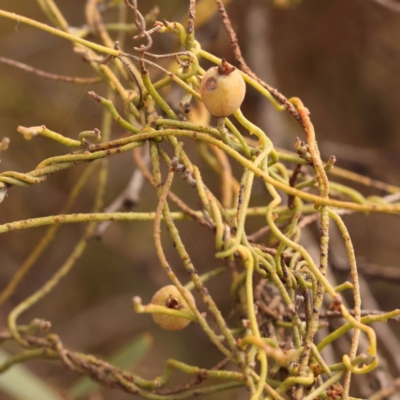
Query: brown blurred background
point(341, 57)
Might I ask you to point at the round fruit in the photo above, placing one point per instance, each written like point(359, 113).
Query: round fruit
point(222, 90)
point(170, 297)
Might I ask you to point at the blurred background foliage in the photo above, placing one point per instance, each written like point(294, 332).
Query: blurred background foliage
point(341, 57)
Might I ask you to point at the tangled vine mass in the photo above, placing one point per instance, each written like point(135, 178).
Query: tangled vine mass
point(282, 292)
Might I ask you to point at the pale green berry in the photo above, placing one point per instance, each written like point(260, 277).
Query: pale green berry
point(170, 297)
point(222, 90)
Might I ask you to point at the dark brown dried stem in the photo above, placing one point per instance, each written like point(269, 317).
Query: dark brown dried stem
point(134, 78)
point(245, 68)
point(141, 26)
point(48, 75)
point(292, 183)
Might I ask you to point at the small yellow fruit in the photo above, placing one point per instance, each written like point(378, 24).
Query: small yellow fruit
point(222, 90)
point(170, 297)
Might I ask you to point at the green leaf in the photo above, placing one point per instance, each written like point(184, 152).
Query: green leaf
point(22, 384)
point(127, 356)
